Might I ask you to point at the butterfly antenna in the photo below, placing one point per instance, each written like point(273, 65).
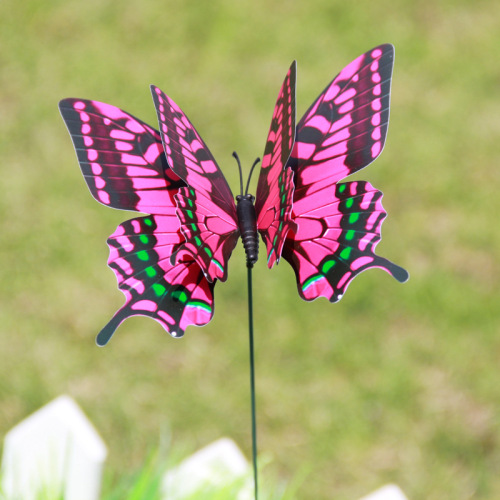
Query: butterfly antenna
point(235, 154)
point(251, 172)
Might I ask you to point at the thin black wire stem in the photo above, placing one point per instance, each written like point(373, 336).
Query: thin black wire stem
point(252, 380)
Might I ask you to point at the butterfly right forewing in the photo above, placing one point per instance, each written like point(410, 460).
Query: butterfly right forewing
point(345, 129)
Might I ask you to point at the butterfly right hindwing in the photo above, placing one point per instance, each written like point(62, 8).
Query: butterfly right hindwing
point(336, 239)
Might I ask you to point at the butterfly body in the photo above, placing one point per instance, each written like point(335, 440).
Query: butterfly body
point(247, 224)
point(168, 262)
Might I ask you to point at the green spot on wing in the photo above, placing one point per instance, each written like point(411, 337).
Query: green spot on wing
point(200, 305)
point(197, 240)
point(148, 222)
point(350, 234)
point(150, 271)
point(346, 252)
point(342, 188)
point(270, 254)
point(143, 255)
point(158, 289)
point(327, 266)
point(180, 296)
point(218, 264)
point(143, 238)
point(208, 251)
point(353, 218)
point(349, 203)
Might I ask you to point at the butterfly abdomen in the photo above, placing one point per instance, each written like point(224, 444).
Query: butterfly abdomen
point(247, 224)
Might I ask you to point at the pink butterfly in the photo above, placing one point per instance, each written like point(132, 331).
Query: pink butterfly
point(167, 262)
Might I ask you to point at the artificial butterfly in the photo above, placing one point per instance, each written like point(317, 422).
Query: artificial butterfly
point(167, 263)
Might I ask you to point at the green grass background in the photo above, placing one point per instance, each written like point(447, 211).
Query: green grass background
point(396, 383)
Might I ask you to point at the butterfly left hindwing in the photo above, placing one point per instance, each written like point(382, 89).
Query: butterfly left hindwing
point(175, 295)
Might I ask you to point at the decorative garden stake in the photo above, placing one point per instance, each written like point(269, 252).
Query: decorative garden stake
point(168, 262)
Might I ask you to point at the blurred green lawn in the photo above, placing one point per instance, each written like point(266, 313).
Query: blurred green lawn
point(396, 383)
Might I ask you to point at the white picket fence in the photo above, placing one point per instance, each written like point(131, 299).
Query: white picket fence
point(57, 450)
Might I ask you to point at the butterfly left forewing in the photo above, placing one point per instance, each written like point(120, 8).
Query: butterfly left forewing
point(206, 206)
point(121, 157)
point(274, 196)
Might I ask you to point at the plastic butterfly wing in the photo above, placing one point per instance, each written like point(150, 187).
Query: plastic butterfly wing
point(339, 224)
point(206, 206)
point(124, 165)
point(273, 203)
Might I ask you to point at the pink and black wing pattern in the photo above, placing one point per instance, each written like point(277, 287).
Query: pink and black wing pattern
point(345, 129)
point(339, 224)
point(176, 295)
point(124, 165)
point(205, 207)
point(121, 157)
point(275, 188)
point(336, 240)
